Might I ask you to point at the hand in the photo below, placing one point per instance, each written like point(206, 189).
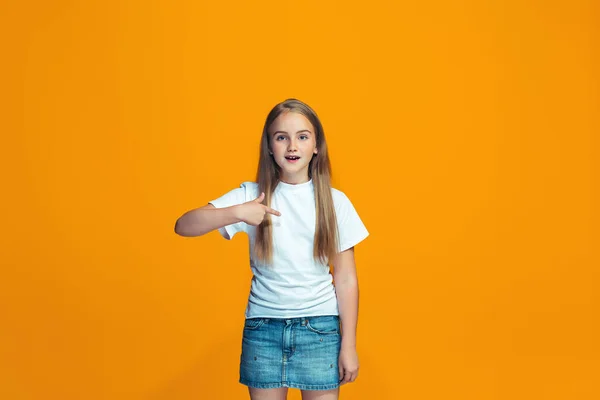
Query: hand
point(253, 212)
point(348, 365)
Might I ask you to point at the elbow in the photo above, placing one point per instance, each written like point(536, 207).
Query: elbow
point(177, 228)
point(348, 282)
point(187, 229)
point(180, 228)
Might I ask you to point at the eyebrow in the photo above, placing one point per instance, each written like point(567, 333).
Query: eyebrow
point(303, 130)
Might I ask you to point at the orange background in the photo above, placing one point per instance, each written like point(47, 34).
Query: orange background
point(465, 133)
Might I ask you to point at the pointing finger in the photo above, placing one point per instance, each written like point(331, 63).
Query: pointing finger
point(274, 212)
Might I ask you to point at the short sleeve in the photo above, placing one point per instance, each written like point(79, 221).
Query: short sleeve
point(234, 197)
point(351, 229)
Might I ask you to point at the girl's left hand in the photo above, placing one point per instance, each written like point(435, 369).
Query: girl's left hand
point(348, 365)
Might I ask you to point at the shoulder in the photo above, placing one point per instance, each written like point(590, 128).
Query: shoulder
point(244, 192)
point(250, 189)
point(249, 185)
point(338, 195)
point(340, 200)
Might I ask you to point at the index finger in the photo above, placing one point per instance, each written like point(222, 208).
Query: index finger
point(271, 211)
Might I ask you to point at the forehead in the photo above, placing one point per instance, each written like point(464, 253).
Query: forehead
point(291, 122)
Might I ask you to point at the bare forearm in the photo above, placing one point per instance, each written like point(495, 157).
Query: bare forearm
point(347, 296)
point(203, 220)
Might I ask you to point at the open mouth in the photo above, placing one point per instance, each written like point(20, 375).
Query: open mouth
point(292, 158)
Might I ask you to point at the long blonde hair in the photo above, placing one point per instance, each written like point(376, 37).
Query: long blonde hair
point(325, 245)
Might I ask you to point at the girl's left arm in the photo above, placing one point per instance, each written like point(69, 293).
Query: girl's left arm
point(346, 287)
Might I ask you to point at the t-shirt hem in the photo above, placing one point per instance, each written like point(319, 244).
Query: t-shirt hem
point(348, 245)
point(292, 315)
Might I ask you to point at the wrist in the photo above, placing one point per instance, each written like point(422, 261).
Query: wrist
point(236, 213)
point(348, 344)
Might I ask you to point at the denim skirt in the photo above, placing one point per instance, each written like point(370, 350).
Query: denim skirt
point(297, 353)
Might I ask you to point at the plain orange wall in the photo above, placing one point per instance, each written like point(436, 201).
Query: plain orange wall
point(465, 133)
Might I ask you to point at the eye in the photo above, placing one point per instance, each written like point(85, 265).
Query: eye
point(303, 137)
point(279, 137)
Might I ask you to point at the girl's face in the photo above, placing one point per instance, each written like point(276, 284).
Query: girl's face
point(293, 144)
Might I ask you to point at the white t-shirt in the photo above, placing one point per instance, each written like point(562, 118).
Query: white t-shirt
point(294, 285)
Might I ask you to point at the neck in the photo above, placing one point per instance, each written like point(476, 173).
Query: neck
point(294, 180)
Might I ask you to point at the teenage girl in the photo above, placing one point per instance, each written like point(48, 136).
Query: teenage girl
point(300, 329)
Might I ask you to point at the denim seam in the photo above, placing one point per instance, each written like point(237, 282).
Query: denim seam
point(292, 385)
point(310, 328)
point(258, 325)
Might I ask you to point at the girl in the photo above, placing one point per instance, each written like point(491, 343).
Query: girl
point(300, 330)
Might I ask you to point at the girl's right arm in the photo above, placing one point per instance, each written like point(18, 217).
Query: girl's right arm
point(205, 219)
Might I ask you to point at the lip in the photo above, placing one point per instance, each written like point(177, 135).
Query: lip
point(292, 161)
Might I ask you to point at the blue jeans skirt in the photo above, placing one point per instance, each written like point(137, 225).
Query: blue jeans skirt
point(297, 353)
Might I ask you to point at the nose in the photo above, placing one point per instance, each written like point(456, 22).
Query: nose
point(292, 146)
